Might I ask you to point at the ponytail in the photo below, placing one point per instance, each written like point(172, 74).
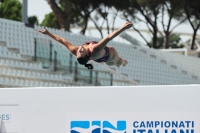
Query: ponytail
point(83, 61)
point(89, 66)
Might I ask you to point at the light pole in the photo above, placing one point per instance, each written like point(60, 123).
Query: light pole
point(24, 11)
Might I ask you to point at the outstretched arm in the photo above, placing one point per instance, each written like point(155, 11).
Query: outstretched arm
point(104, 41)
point(69, 46)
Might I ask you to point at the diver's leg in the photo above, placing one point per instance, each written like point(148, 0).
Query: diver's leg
point(110, 63)
point(120, 61)
point(116, 59)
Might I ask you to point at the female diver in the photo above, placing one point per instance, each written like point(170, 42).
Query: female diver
point(97, 51)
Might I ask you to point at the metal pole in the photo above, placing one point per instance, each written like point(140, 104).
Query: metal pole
point(70, 63)
point(35, 50)
point(96, 78)
point(24, 11)
point(90, 79)
point(50, 58)
point(76, 72)
point(55, 61)
point(111, 79)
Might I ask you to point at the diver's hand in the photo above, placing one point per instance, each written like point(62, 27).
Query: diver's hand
point(44, 31)
point(128, 25)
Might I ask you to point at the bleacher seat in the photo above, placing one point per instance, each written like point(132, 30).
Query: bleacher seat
point(149, 66)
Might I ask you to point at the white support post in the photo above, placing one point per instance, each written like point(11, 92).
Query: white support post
point(0, 125)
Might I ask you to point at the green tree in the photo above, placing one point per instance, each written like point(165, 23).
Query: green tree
point(81, 12)
point(149, 10)
point(78, 13)
point(50, 21)
point(192, 12)
point(11, 9)
point(72, 12)
point(173, 10)
point(61, 12)
point(33, 20)
point(105, 15)
point(152, 13)
point(173, 41)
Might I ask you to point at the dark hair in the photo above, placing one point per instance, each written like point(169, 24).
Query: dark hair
point(83, 61)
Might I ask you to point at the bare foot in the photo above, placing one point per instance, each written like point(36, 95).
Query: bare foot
point(118, 66)
point(125, 63)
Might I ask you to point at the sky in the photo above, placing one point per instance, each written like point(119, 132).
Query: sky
point(41, 7)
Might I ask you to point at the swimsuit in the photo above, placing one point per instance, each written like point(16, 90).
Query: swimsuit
point(102, 59)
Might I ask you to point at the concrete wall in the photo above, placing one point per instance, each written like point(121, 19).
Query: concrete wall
point(52, 110)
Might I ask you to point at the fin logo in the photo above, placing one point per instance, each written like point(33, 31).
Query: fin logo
point(97, 127)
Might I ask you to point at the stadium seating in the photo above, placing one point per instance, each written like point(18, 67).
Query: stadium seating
point(146, 66)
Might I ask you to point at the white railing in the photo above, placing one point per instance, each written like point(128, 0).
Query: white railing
point(182, 50)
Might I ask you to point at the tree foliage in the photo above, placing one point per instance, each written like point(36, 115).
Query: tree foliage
point(103, 13)
point(11, 9)
point(153, 13)
point(72, 12)
point(76, 12)
point(149, 10)
point(33, 20)
point(82, 12)
point(107, 13)
point(50, 21)
point(173, 10)
point(192, 12)
point(173, 42)
point(62, 11)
